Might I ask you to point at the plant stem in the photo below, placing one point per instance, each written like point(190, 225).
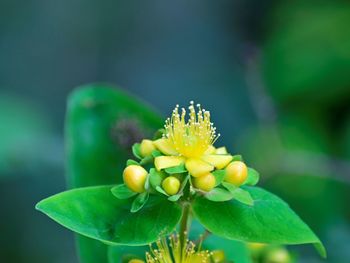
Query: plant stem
point(185, 218)
point(184, 223)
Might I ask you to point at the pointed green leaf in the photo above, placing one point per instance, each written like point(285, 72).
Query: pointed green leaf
point(121, 191)
point(94, 212)
point(176, 169)
point(136, 150)
point(146, 160)
point(269, 220)
point(156, 177)
point(219, 176)
point(252, 178)
point(160, 190)
point(218, 195)
point(139, 202)
point(101, 123)
point(156, 153)
point(175, 198)
point(131, 162)
point(239, 194)
point(237, 158)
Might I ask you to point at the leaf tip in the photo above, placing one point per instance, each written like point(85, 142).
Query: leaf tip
point(39, 206)
point(321, 249)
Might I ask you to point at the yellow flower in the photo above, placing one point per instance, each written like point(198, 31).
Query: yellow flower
point(192, 138)
point(190, 141)
point(174, 252)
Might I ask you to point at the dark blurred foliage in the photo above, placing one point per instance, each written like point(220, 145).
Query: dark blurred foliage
point(275, 75)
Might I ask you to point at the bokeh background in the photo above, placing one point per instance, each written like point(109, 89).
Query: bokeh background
point(275, 75)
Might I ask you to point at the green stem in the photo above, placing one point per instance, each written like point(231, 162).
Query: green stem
point(184, 224)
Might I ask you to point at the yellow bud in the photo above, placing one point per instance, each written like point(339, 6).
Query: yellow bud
point(162, 162)
point(221, 150)
point(136, 261)
point(205, 182)
point(278, 255)
point(135, 177)
point(236, 173)
point(171, 185)
point(197, 167)
point(146, 148)
point(165, 146)
point(218, 160)
point(218, 256)
point(256, 246)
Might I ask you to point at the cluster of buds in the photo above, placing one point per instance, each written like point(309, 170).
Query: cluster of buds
point(200, 170)
point(183, 157)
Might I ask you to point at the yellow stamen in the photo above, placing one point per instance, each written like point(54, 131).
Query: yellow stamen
point(174, 252)
point(191, 138)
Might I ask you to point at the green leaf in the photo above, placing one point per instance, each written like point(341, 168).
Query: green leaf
point(176, 169)
point(96, 213)
point(156, 177)
point(131, 162)
point(97, 138)
point(121, 191)
point(252, 178)
point(270, 220)
point(97, 133)
point(175, 198)
point(136, 150)
point(160, 190)
point(218, 195)
point(239, 194)
point(219, 176)
point(139, 202)
point(146, 160)
point(156, 153)
point(237, 158)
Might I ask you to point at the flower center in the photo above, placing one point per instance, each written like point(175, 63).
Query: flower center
point(191, 138)
point(174, 252)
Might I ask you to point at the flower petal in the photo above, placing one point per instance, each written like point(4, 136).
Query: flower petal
point(221, 150)
point(197, 167)
point(165, 146)
point(220, 161)
point(162, 162)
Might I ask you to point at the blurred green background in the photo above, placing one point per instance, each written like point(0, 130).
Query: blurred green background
point(274, 74)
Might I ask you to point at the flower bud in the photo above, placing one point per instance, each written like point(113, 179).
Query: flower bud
point(135, 177)
point(205, 182)
point(136, 261)
point(278, 255)
point(236, 173)
point(171, 185)
point(146, 148)
point(218, 256)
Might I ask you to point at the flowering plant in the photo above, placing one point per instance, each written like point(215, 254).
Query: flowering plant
point(177, 177)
